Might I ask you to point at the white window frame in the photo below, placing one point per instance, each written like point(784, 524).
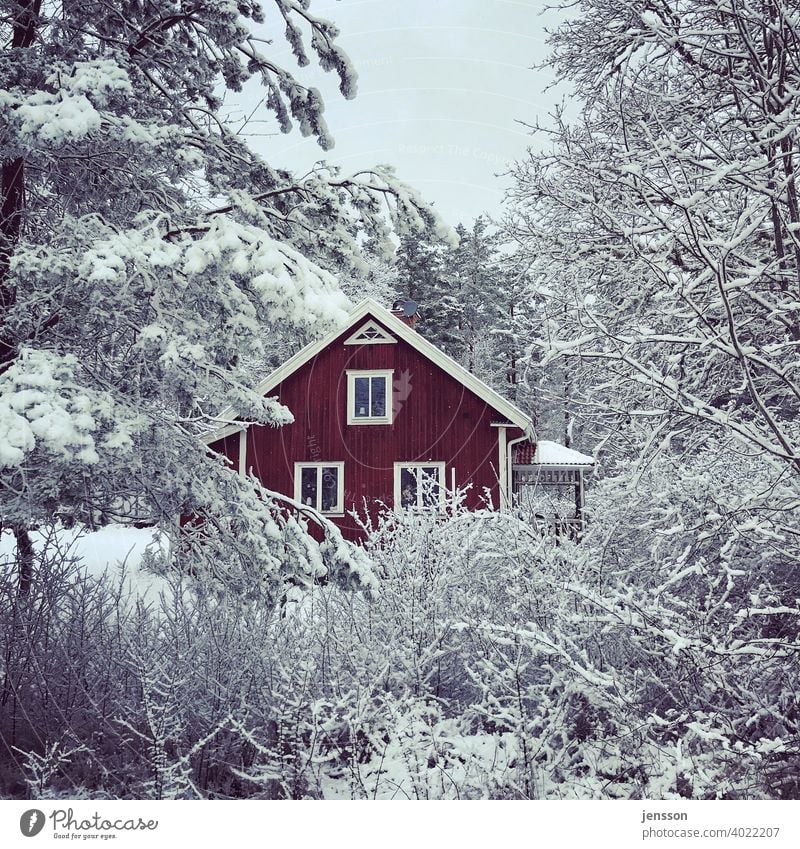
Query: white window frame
point(298, 485)
point(398, 467)
point(352, 419)
point(384, 337)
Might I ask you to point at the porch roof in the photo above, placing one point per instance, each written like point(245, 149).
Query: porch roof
point(552, 454)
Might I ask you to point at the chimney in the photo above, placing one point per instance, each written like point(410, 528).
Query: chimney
point(406, 310)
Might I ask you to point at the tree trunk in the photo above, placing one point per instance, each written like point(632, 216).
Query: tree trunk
point(26, 18)
point(24, 561)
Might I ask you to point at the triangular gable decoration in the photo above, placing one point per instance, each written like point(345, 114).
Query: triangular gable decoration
point(370, 333)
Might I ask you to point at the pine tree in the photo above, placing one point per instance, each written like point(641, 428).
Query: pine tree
point(472, 307)
point(147, 255)
point(419, 261)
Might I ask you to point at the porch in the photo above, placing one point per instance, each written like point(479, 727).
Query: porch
point(547, 484)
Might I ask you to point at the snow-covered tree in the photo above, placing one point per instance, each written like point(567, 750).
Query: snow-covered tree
point(377, 280)
point(469, 280)
point(147, 256)
point(472, 297)
point(418, 262)
point(662, 229)
point(664, 223)
point(481, 306)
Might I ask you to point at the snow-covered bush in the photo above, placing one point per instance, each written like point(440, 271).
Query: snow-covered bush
point(186, 693)
point(587, 674)
point(491, 660)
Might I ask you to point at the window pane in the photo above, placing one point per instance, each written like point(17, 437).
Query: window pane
point(330, 489)
point(378, 396)
point(429, 485)
point(308, 487)
point(361, 397)
point(408, 488)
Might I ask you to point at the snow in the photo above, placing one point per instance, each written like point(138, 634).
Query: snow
point(114, 551)
point(39, 404)
point(70, 112)
point(294, 289)
point(425, 757)
point(55, 118)
point(96, 79)
point(16, 437)
point(554, 454)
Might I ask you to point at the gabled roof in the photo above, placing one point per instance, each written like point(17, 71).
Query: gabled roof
point(365, 308)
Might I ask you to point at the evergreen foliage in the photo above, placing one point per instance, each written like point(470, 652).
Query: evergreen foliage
point(148, 258)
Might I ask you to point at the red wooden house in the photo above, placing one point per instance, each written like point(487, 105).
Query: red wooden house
point(381, 417)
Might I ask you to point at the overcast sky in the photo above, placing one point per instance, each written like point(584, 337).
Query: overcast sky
point(442, 87)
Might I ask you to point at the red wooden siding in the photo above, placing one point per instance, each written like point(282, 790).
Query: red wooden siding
point(435, 418)
point(229, 447)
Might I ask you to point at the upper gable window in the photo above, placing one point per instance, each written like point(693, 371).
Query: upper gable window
point(369, 397)
point(370, 333)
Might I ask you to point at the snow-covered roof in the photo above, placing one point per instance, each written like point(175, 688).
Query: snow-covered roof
point(549, 453)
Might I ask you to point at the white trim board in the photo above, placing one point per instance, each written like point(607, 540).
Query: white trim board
point(226, 429)
point(502, 459)
point(397, 328)
point(243, 452)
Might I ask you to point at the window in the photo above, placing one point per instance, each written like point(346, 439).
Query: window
point(369, 397)
point(418, 485)
point(320, 485)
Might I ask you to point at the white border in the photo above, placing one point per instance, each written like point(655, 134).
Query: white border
point(606, 824)
point(337, 464)
point(418, 465)
point(352, 374)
